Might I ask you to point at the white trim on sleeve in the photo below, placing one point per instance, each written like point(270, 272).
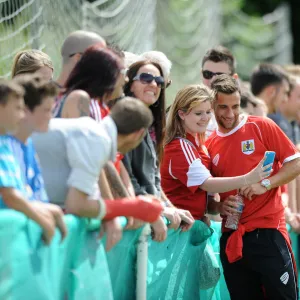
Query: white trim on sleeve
point(290, 158)
point(197, 173)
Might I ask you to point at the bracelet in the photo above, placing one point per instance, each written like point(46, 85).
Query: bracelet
point(102, 209)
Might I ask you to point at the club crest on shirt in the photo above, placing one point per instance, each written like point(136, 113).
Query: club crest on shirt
point(248, 147)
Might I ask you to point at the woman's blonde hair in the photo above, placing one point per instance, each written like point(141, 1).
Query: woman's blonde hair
point(186, 99)
point(29, 61)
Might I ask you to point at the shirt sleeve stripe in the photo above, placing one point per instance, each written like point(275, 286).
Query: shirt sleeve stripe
point(170, 170)
point(185, 152)
point(189, 151)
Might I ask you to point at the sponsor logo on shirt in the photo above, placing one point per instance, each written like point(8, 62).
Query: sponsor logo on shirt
point(215, 160)
point(248, 147)
point(285, 278)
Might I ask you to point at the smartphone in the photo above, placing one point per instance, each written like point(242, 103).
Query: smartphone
point(270, 156)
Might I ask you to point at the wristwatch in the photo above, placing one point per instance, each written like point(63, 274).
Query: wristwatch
point(266, 183)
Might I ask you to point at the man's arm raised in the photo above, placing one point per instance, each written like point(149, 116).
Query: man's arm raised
point(289, 171)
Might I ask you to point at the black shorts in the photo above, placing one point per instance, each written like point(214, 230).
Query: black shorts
point(266, 270)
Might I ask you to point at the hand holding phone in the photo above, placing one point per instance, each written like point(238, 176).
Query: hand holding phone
point(269, 159)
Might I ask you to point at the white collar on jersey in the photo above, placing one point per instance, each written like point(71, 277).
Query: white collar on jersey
point(243, 120)
point(111, 129)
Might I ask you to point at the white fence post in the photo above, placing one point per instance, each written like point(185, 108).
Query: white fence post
point(142, 259)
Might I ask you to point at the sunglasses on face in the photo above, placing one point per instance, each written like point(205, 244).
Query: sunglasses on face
point(147, 78)
point(209, 75)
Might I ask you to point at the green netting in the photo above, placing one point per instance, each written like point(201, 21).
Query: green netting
point(176, 268)
point(29, 270)
point(122, 265)
point(185, 266)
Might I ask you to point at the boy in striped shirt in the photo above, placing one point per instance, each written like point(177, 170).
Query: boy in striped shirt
point(13, 193)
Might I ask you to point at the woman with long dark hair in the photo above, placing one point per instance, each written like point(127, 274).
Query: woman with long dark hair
point(146, 82)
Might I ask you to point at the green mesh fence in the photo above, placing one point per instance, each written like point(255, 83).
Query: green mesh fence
point(29, 270)
point(186, 266)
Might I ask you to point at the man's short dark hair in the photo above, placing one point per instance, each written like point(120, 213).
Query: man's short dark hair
point(9, 88)
point(264, 75)
point(36, 89)
point(225, 84)
point(220, 54)
point(131, 115)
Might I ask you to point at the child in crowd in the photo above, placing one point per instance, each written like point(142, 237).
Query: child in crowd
point(13, 193)
point(39, 99)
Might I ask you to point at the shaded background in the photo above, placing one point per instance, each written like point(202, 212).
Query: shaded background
point(254, 30)
point(262, 7)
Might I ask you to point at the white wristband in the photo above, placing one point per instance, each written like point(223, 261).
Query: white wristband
point(102, 209)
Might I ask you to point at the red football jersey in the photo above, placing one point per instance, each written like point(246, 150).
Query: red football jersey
point(183, 169)
point(238, 152)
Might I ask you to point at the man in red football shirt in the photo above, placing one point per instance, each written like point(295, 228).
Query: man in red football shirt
point(257, 257)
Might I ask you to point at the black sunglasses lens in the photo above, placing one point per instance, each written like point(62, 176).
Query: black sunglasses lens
point(160, 81)
point(144, 77)
point(148, 78)
point(208, 74)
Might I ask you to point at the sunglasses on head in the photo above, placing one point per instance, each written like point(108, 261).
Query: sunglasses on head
point(148, 78)
point(209, 75)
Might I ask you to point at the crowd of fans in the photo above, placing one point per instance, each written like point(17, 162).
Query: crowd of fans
point(99, 142)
